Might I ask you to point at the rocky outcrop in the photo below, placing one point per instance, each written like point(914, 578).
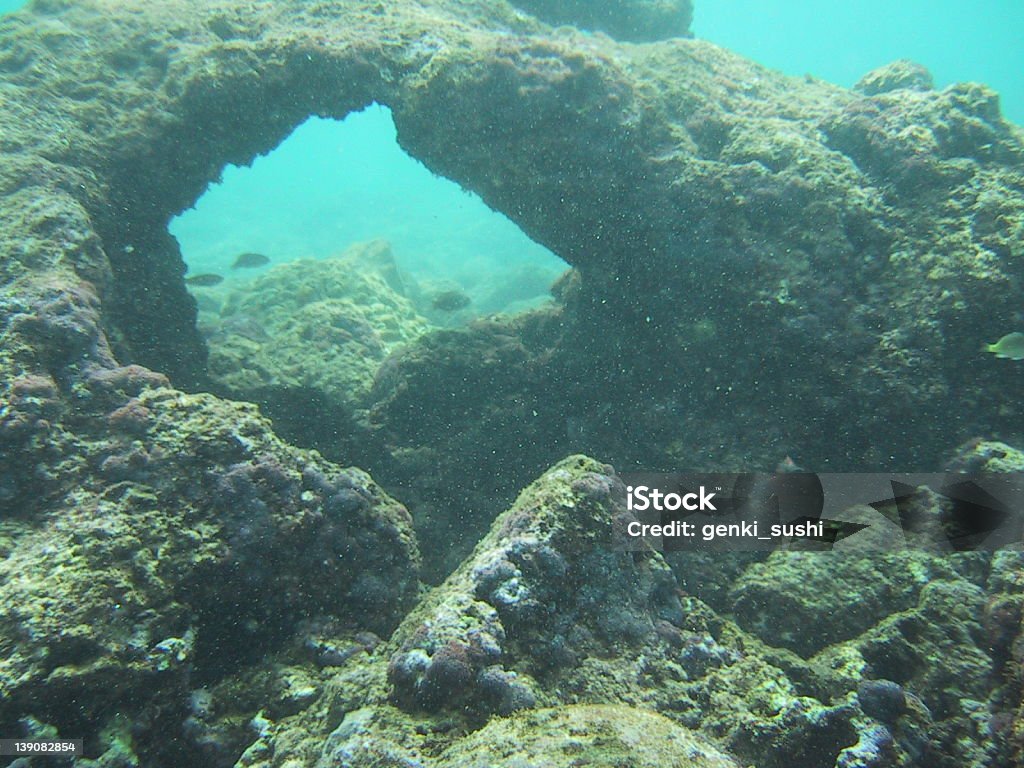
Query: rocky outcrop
point(871, 238)
point(163, 539)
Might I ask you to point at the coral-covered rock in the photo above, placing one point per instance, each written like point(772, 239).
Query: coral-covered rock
point(457, 658)
point(986, 456)
point(532, 598)
point(193, 541)
point(527, 621)
point(926, 674)
point(894, 76)
point(451, 406)
point(873, 238)
point(779, 599)
point(875, 234)
point(599, 736)
point(318, 326)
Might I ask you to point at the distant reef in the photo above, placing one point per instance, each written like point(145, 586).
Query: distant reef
point(763, 267)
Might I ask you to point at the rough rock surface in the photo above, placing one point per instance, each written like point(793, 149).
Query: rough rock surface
point(305, 341)
point(525, 623)
point(873, 239)
point(163, 538)
point(601, 736)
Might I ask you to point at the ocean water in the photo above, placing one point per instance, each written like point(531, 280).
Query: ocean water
point(332, 183)
point(840, 41)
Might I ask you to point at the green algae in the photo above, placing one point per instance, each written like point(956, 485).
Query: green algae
point(608, 736)
point(313, 325)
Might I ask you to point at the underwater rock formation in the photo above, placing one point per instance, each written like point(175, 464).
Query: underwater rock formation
point(314, 331)
point(872, 237)
point(164, 537)
point(323, 325)
point(599, 736)
point(448, 409)
point(525, 623)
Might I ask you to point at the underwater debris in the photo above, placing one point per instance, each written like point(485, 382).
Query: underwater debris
point(451, 301)
point(1010, 347)
point(204, 280)
point(250, 261)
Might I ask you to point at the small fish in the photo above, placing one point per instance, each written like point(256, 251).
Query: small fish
point(205, 280)
point(250, 261)
point(1010, 347)
point(451, 301)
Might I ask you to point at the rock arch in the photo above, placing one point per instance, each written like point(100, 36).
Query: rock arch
point(753, 250)
point(737, 231)
point(150, 102)
point(669, 167)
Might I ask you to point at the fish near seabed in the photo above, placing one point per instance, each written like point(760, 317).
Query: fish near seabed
point(451, 301)
point(1010, 347)
point(250, 261)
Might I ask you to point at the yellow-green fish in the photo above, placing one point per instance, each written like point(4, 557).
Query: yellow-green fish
point(1010, 347)
point(250, 261)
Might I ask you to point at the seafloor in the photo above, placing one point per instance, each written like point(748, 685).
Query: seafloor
point(194, 572)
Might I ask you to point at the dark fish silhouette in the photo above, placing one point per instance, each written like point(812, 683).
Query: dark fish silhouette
point(250, 261)
point(204, 281)
point(451, 301)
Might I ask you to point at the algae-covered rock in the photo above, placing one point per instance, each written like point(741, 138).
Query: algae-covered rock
point(530, 602)
point(321, 326)
point(600, 736)
point(781, 599)
point(891, 77)
point(449, 408)
point(548, 610)
point(873, 239)
point(935, 658)
point(526, 623)
point(191, 541)
point(987, 456)
point(545, 614)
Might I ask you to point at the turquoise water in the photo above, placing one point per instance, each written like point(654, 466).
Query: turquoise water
point(840, 41)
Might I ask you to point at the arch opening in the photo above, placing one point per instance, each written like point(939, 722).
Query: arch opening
point(313, 265)
point(332, 183)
